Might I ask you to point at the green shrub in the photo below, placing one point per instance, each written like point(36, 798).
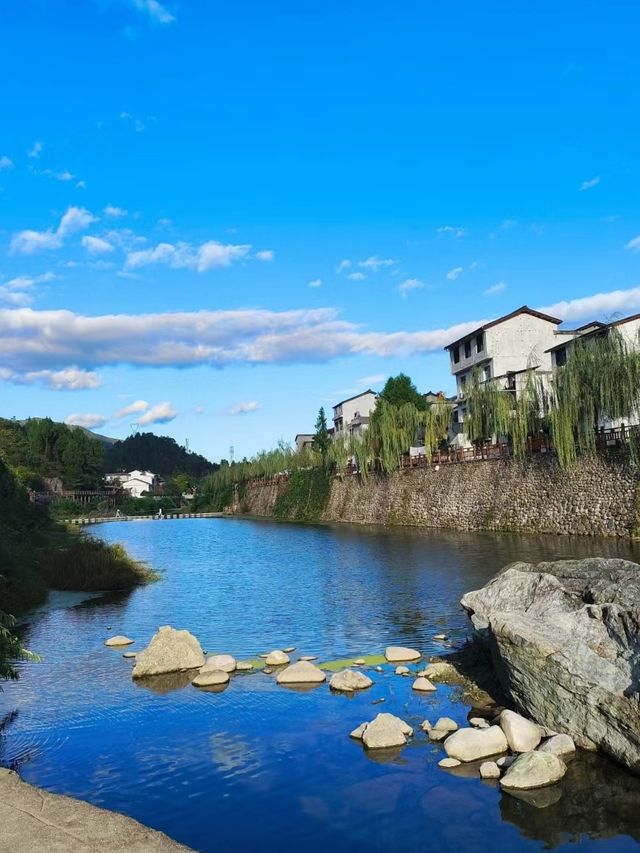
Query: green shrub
point(305, 496)
point(87, 564)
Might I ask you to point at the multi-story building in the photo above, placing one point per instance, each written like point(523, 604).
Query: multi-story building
point(505, 350)
point(351, 416)
point(136, 482)
point(304, 441)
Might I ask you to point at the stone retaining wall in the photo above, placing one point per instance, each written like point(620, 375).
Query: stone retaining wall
point(600, 497)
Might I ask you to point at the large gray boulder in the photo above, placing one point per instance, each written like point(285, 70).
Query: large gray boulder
point(169, 651)
point(565, 639)
point(533, 770)
point(473, 744)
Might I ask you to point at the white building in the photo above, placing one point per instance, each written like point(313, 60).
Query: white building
point(135, 482)
point(351, 416)
point(505, 350)
point(304, 441)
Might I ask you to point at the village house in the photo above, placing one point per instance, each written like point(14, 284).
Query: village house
point(304, 441)
point(351, 416)
point(505, 349)
point(137, 483)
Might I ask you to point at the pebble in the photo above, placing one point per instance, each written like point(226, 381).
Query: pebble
point(129, 654)
point(489, 770)
point(359, 662)
point(308, 657)
point(289, 649)
point(426, 726)
point(423, 685)
point(446, 724)
point(479, 723)
point(451, 762)
point(402, 670)
point(119, 640)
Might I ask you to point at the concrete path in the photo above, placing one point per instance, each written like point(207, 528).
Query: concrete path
point(34, 821)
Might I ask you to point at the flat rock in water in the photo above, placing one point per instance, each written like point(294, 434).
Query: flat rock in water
point(169, 651)
point(440, 637)
point(423, 685)
point(558, 745)
point(438, 735)
point(489, 770)
point(226, 663)
point(210, 678)
point(402, 670)
point(243, 666)
point(289, 649)
point(440, 671)
point(566, 638)
point(449, 762)
point(129, 655)
point(397, 654)
point(277, 658)
point(120, 640)
point(446, 724)
point(386, 731)
point(473, 744)
point(358, 731)
point(522, 735)
point(308, 657)
point(359, 662)
point(349, 680)
point(302, 672)
point(533, 770)
point(479, 723)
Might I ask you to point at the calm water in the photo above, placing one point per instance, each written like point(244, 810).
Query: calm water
point(259, 766)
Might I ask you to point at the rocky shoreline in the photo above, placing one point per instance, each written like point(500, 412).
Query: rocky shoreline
point(35, 821)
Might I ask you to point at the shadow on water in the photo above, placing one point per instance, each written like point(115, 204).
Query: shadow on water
point(596, 799)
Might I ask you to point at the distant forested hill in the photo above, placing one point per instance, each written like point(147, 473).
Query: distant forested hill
point(157, 453)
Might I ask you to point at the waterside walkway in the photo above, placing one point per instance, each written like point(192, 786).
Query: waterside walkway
point(156, 517)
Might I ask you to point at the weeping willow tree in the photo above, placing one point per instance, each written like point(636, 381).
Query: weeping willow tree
point(489, 409)
point(340, 452)
point(600, 382)
point(527, 414)
point(436, 421)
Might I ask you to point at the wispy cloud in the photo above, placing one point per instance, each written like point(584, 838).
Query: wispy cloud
point(5, 163)
point(137, 123)
point(65, 175)
point(29, 242)
point(587, 185)
point(17, 291)
point(134, 408)
point(181, 255)
point(96, 245)
point(160, 414)
point(244, 408)
point(343, 265)
point(455, 230)
point(496, 288)
point(634, 244)
point(155, 10)
point(408, 285)
point(265, 255)
point(317, 282)
point(370, 381)
point(453, 274)
point(36, 150)
point(88, 421)
point(114, 212)
point(356, 276)
point(600, 305)
point(68, 379)
point(374, 263)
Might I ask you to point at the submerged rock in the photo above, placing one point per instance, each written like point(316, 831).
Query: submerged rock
point(566, 640)
point(277, 658)
point(169, 651)
point(398, 654)
point(473, 744)
point(115, 642)
point(522, 735)
point(302, 672)
point(349, 680)
point(534, 770)
point(386, 731)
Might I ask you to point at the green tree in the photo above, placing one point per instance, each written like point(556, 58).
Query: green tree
point(400, 389)
point(322, 438)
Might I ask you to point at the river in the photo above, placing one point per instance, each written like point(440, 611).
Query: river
point(260, 766)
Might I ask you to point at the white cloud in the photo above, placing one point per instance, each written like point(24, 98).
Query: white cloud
point(370, 381)
point(16, 291)
point(26, 282)
point(96, 245)
point(602, 305)
point(89, 421)
point(156, 11)
point(5, 162)
point(36, 150)
point(496, 288)
point(13, 297)
point(408, 285)
point(29, 242)
point(132, 409)
point(265, 255)
point(199, 410)
point(456, 230)
point(343, 265)
point(634, 245)
point(209, 255)
point(114, 212)
point(244, 408)
point(317, 282)
point(81, 185)
point(160, 414)
point(374, 263)
point(356, 276)
point(65, 176)
point(587, 185)
point(68, 379)
point(453, 274)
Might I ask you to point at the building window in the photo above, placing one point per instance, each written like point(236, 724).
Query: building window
point(487, 373)
point(467, 349)
point(561, 357)
point(480, 342)
point(456, 354)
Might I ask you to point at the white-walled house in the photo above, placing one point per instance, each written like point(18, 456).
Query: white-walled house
point(304, 441)
point(135, 482)
point(505, 350)
point(351, 416)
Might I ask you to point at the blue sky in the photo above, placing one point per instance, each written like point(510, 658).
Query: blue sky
point(234, 212)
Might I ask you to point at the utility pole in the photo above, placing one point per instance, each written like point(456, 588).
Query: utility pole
point(231, 453)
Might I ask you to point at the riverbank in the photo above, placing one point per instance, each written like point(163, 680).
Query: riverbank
point(600, 496)
point(35, 821)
